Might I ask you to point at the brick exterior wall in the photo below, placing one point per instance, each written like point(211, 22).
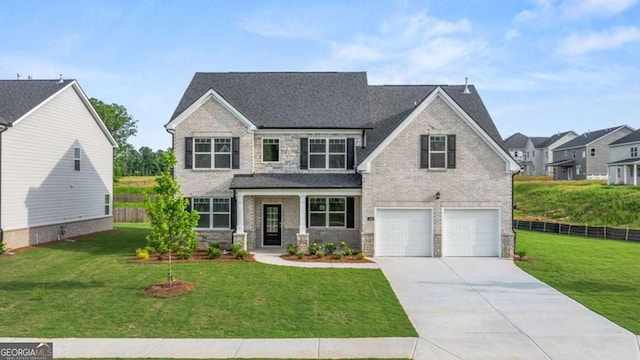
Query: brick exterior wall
point(15, 239)
point(480, 179)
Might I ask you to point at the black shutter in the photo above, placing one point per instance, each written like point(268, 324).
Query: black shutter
point(304, 153)
point(306, 217)
point(350, 213)
point(233, 209)
point(188, 204)
point(451, 151)
point(350, 153)
point(235, 153)
point(188, 153)
point(424, 151)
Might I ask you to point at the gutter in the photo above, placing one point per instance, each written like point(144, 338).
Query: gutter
point(3, 128)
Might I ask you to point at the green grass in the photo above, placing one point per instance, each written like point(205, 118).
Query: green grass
point(131, 204)
point(601, 274)
point(585, 202)
point(91, 289)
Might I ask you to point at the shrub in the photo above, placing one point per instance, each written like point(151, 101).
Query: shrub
point(329, 248)
point(3, 247)
point(300, 255)
point(235, 249)
point(345, 248)
point(320, 254)
point(313, 249)
point(360, 256)
point(522, 252)
point(142, 254)
point(184, 253)
point(292, 248)
point(150, 249)
point(338, 256)
point(214, 250)
point(242, 254)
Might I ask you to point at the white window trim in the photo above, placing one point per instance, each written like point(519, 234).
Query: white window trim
point(327, 212)
point(77, 156)
point(211, 212)
point(107, 204)
point(439, 152)
point(212, 153)
point(327, 154)
point(262, 151)
point(592, 152)
point(634, 151)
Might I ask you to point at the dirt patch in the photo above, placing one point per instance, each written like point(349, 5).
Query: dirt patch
point(326, 259)
point(198, 255)
point(170, 289)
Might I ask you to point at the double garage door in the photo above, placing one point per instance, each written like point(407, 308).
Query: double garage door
point(465, 232)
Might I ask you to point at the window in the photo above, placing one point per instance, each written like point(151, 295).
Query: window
point(327, 212)
point(327, 153)
point(219, 158)
point(578, 169)
point(214, 212)
point(584, 153)
point(107, 204)
point(573, 154)
point(76, 158)
point(593, 152)
point(270, 150)
point(634, 151)
point(566, 153)
point(546, 154)
point(437, 152)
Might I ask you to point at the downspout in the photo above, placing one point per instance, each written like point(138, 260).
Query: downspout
point(3, 128)
point(513, 209)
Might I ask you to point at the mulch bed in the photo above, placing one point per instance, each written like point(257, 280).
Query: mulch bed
point(198, 255)
point(325, 259)
point(170, 289)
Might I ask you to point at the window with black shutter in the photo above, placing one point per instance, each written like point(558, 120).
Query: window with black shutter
point(304, 153)
point(188, 152)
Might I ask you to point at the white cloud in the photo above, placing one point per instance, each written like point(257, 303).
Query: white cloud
point(578, 44)
point(548, 12)
point(356, 52)
point(511, 34)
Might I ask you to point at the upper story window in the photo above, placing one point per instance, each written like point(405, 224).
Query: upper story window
point(76, 158)
point(593, 152)
point(573, 154)
point(634, 151)
point(438, 151)
point(546, 154)
point(327, 153)
point(566, 153)
point(584, 153)
point(212, 153)
point(270, 150)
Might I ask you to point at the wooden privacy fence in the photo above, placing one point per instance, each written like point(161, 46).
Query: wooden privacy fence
point(133, 215)
point(131, 197)
point(603, 232)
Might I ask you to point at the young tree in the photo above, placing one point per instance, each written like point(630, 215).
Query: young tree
point(171, 223)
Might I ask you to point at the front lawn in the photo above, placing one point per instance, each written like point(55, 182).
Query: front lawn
point(89, 288)
point(603, 275)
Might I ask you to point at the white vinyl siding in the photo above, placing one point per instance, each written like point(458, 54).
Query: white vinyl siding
point(40, 185)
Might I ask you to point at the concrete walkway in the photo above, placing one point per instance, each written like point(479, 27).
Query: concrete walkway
point(487, 308)
point(273, 258)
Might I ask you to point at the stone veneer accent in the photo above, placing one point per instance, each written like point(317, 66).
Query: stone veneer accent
point(18, 238)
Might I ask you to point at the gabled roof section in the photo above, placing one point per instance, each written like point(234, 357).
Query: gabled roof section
point(552, 139)
point(287, 99)
point(631, 138)
point(537, 141)
point(589, 137)
point(516, 141)
point(18, 97)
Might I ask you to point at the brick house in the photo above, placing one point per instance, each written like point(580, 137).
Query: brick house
point(269, 159)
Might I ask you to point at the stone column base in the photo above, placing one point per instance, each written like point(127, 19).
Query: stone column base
point(367, 244)
point(240, 238)
point(303, 242)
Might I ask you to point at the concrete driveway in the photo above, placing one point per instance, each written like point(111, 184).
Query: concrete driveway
point(487, 308)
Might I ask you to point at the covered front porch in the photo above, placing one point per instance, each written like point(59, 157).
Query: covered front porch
point(624, 172)
point(274, 210)
point(563, 169)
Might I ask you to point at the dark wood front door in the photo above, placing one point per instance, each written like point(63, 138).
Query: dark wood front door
point(272, 225)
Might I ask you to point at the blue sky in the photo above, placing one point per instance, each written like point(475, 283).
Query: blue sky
point(540, 66)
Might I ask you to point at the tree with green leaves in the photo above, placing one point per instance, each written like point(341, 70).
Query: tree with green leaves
point(121, 125)
point(171, 223)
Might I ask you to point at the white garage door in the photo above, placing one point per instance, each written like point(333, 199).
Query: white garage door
point(403, 232)
point(471, 232)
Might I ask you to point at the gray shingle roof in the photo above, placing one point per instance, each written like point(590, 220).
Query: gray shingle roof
point(633, 137)
point(625, 161)
point(297, 181)
point(17, 97)
point(587, 138)
point(516, 141)
point(537, 141)
point(550, 140)
point(289, 99)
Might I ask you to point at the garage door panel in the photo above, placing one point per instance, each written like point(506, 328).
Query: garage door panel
point(403, 232)
point(468, 232)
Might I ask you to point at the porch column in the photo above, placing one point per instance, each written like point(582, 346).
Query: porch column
point(303, 212)
point(240, 213)
point(635, 174)
point(624, 174)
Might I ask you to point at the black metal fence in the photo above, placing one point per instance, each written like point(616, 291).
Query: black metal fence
point(602, 232)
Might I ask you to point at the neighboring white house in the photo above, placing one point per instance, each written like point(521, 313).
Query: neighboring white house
point(539, 152)
point(516, 144)
point(269, 159)
point(56, 169)
point(624, 167)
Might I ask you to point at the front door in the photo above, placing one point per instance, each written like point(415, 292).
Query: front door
point(272, 225)
point(570, 173)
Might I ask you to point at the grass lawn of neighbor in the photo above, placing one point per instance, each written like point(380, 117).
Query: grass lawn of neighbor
point(90, 288)
point(603, 275)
